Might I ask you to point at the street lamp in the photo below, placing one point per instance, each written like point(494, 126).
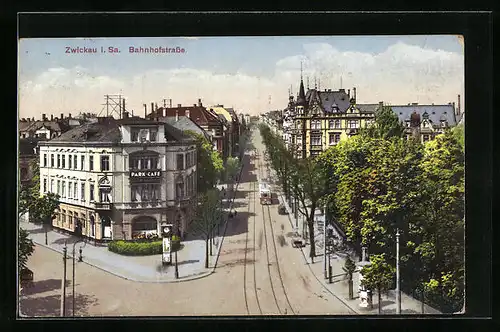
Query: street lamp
point(80, 259)
point(398, 290)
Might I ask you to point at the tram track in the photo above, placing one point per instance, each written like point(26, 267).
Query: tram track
point(266, 216)
point(245, 273)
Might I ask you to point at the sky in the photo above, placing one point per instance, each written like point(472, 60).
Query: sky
point(250, 74)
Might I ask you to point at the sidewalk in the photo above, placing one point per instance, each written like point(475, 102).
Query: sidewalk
point(148, 269)
point(339, 285)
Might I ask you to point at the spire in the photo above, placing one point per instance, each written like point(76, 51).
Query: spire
point(301, 100)
point(307, 78)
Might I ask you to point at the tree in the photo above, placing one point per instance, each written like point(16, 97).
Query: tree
point(207, 216)
point(209, 163)
point(378, 276)
point(44, 209)
point(386, 125)
point(305, 178)
point(349, 268)
point(26, 249)
point(231, 171)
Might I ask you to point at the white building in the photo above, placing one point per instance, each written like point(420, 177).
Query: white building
point(120, 178)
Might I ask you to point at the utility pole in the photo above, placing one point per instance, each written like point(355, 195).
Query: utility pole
point(324, 246)
point(63, 283)
point(398, 291)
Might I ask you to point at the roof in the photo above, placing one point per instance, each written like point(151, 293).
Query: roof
point(184, 123)
point(27, 146)
point(106, 132)
point(199, 114)
point(436, 112)
point(36, 125)
point(329, 99)
point(367, 108)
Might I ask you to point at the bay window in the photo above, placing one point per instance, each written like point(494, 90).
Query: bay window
point(145, 192)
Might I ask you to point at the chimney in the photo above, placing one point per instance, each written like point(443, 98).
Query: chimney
point(156, 106)
point(33, 119)
point(414, 104)
point(354, 94)
point(176, 115)
point(380, 104)
point(62, 116)
point(453, 103)
point(44, 117)
point(458, 108)
point(145, 110)
point(69, 115)
point(152, 108)
point(194, 105)
point(123, 105)
point(179, 105)
point(125, 115)
point(52, 117)
point(349, 92)
point(199, 102)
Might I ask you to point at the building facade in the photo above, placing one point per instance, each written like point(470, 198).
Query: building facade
point(320, 119)
point(120, 179)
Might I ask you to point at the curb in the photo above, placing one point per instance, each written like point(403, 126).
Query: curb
point(227, 220)
point(186, 278)
point(280, 197)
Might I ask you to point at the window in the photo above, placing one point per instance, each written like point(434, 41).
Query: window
point(51, 186)
point(153, 133)
point(51, 160)
point(59, 187)
point(426, 138)
point(134, 137)
point(44, 185)
point(75, 162)
point(75, 194)
point(70, 163)
point(104, 194)
point(91, 163)
point(145, 192)
point(64, 216)
point(91, 192)
point(82, 162)
point(64, 189)
point(144, 162)
point(353, 124)
point(58, 160)
point(104, 163)
point(315, 124)
point(70, 189)
point(334, 124)
point(180, 161)
point(63, 161)
point(82, 192)
point(315, 140)
point(334, 138)
point(44, 160)
point(179, 190)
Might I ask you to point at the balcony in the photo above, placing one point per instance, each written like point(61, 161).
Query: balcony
point(102, 206)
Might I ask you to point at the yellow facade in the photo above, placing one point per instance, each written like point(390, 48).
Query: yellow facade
point(331, 128)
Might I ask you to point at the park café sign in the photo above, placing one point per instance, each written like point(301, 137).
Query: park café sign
point(145, 174)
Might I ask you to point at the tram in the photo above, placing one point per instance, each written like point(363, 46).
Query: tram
point(265, 193)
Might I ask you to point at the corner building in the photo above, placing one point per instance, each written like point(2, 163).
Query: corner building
point(120, 179)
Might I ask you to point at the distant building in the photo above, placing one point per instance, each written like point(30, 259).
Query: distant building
point(28, 154)
point(203, 117)
point(424, 122)
point(46, 128)
point(119, 179)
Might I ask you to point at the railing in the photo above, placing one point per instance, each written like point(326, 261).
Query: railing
point(316, 147)
point(102, 205)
